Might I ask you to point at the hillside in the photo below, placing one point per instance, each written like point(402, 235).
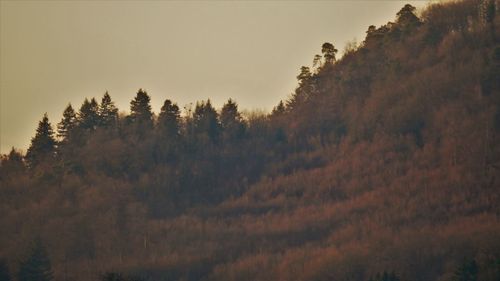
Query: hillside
point(383, 165)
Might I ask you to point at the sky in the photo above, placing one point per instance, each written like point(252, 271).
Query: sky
point(57, 52)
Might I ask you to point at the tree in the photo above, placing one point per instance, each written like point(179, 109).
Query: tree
point(168, 128)
point(169, 119)
point(304, 89)
point(231, 122)
point(328, 51)
point(406, 18)
point(317, 62)
point(108, 113)
point(88, 117)
point(36, 267)
point(279, 109)
point(140, 109)
point(11, 165)
point(43, 144)
point(4, 271)
point(205, 120)
point(304, 75)
point(67, 124)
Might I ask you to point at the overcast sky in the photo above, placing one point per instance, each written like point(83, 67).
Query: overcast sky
point(53, 53)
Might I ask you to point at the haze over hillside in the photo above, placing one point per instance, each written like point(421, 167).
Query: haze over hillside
point(382, 165)
point(55, 52)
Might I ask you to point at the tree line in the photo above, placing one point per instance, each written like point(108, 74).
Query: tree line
point(382, 165)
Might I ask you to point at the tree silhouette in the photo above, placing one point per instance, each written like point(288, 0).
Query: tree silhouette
point(108, 113)
point(317, 62)
point(328, 51)
point(43, 144)
point(406, 20)
point(140, 109)
point(67, 124)
point(36, 267)
point(88, 117)
point(304, 89)
point(279, 109)
point(205, 121)
point(231, 121)
point(169, 119)
point(12, 165)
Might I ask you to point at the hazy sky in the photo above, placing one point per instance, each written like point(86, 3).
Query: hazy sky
point(52, 53)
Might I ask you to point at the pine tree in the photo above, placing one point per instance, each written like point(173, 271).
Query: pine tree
point(88, 117)
point(169, 119)
point(140, 109)
point(67, 124)
point(11, 165)
point(36, 267)
point(329, 52)
point(304, 90)
point(43, 144)
point(205, 120)
point(231, 121)
point(279, 109)
point(108, 113)
point(4, 271)
point(406, 19)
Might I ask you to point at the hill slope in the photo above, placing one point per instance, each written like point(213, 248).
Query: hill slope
point(387, 159)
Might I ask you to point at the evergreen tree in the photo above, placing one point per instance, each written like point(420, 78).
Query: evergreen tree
point(4, 271)
point(329, 52)
point(108, 113)
point(11, 165)
point(43, 144)
point(36, 267)
point(231, 122)
point(205, 120)
point(67, 123)
point(407, 15)
point(279, 109)
point(304, 89)
point(169, 119)
point(140, 109)
point(406, 19)
point(304, 75)
point(317, 62)
point(88, 117)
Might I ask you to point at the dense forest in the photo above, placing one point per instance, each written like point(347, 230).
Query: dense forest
point(383, 165)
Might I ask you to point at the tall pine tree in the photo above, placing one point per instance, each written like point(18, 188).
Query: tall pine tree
point(205, 120)
point(169, 120)
point(88, 117)
point(42, 144)
point(231, 122)
point(108, 113)
point(140, 109)
point(67, 124)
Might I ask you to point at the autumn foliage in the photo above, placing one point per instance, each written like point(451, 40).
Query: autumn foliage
point(383, 165)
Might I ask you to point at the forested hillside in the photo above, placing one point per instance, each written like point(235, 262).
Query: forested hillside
point(383, 165)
